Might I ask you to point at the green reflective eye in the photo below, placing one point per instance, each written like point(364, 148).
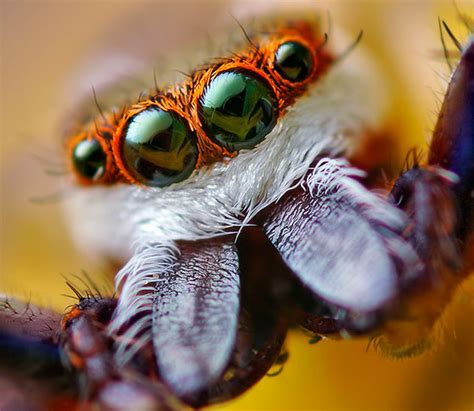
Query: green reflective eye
point(89, 159)
point(293, 61)
point(158, 149)
point(238, 110)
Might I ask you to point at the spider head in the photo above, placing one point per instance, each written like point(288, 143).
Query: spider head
point(206, 155)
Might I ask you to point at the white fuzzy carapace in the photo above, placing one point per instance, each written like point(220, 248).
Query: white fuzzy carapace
point(141, 224)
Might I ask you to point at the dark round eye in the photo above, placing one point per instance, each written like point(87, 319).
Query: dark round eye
point(89, 159)
point(158, 149)
point(293, 61)
point(238, 110)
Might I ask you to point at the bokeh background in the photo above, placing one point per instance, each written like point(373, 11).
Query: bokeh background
point(51, 52)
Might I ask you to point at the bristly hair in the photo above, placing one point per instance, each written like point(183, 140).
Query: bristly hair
point(155, 81)
point(52, 198)
point(445, 49)
point(96, 102)
point(245, 33)
point(382, 346)
point(412, 159)
point(87, 287)
point(137, 281)
point(350, 48)
point(50, 163)
point(453, 38)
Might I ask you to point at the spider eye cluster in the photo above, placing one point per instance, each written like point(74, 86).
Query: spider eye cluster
point(224, 108)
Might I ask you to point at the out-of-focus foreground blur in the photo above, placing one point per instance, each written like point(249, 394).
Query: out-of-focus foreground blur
point(47, 45)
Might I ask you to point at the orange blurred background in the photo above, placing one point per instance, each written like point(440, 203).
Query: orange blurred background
point(47, 45)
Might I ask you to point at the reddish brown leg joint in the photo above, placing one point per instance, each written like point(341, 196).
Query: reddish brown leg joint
point(90, 352)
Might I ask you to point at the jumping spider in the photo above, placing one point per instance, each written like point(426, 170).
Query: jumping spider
point(237, 190)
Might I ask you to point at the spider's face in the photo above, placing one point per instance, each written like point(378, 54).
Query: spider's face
point(205, 155)
point(258, 142)
point(206, 158)
point(254, 139)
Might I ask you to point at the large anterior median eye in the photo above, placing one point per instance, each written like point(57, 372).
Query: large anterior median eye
point(293, 61)
point(158, 150)
point(89, 159)
point(238, 110)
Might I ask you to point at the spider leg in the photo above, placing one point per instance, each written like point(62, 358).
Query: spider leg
point(452, 147)
point(438, 198)
point(90, 352)
point(48, 361)
point(31, 367)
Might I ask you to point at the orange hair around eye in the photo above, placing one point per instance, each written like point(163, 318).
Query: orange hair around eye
point(290, 90)
point(257, 60)
point(177, 103)
point(102, 133)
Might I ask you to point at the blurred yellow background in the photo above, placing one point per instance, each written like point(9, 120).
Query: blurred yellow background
point(46, 44)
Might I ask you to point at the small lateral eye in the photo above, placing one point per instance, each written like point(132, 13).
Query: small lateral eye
point(158, 150)
point(238, 110)
point(89, 159)
point(293, 61)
